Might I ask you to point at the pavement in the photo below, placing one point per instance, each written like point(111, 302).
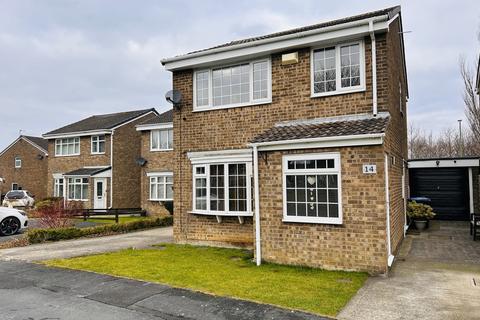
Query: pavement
point(87, 246)
point(34, 292)
point(436, 275)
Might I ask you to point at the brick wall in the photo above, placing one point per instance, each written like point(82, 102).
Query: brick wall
point(31, 176)
point(157, 161)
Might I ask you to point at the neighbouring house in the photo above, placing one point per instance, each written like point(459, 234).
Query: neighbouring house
point(157, 164)
point(23, 165)
point(295, 143)
point(94, 160)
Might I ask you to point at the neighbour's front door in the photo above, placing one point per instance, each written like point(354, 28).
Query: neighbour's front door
point(100, 199)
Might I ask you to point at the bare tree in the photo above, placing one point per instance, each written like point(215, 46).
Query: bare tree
point(470, 98)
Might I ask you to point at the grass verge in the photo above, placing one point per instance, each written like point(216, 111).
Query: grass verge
point(228, 272)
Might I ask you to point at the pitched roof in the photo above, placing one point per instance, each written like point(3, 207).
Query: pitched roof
point(325, 127)
point(390, 12)
point(101, 122)
point(39, 141)
point(86, 172)
point(166, 117)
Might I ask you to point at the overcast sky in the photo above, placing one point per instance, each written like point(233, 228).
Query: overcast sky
point(64, 60)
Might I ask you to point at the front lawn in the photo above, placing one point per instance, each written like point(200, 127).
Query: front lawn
point(228, 272)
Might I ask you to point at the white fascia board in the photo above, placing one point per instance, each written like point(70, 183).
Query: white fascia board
point(267, 46)
point(220, 156)
point(77, 134)
point(447, 163)
point(57, 175)
point(159, 173)
point(158, 126)
point(325, 142)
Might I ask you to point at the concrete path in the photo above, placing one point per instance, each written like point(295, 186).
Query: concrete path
point(81, 247)
point(30, 291)
point(434, 277)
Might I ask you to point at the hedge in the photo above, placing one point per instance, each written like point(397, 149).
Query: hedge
point(57, 234)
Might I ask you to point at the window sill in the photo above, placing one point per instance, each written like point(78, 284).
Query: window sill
point(336, 93)
point(160, 150)
point(334, 221)
point(222, 214)
point(66, 155)
point(160, 200)
point(97, 153)
point(240, 105)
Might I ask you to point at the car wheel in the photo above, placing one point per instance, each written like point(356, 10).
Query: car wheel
point(9, 226)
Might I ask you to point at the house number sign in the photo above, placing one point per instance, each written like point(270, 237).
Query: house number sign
point(369, 168)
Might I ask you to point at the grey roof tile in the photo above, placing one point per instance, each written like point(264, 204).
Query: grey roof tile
point(309, 129)
point(39, 141)
point(86, 172)
point(165, 117)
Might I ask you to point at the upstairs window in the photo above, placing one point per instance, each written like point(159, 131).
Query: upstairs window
point(67, 146)
point(233, 86)
point(338, 69)
point(18, 162)
point(161, 139)
point(98, 144)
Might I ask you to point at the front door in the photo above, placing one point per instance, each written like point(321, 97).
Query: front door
point(100, 198)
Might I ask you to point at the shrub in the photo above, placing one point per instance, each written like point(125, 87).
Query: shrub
point(56, 213)
point(56, 234)
point(419, 211)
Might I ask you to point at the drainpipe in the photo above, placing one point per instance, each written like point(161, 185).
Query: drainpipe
point(387, 209)
point(258, 253)
point(374, 68)
point(111, 168)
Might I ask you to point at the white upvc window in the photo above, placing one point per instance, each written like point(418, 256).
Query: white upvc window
point(161, 140)
point(58, 187)
point(161, 186)
point(338, 69)
point(232, 86)
point(222, 188)
point(18, 162)
point(312, 190)
point(67, 146)
point(78, 189)
point(98, 144)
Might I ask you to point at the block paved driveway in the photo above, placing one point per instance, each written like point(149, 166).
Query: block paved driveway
point(434, 277)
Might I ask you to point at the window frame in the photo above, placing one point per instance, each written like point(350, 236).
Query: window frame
point(226, 211)
point(98, 141)
point(68, 184)
point(56, 187)
point(251, 102)
point(164, 186)
point(15, 184)
point(61, 144)
point(338, 76)
point(329, 171)
point(18, 162)
point(169, 132)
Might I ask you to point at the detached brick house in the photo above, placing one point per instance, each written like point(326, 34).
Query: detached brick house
point(157, 163)
point(23, 165)
point(95, 160)
point(295, 143)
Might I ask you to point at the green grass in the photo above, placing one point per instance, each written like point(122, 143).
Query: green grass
point(228, 272)
point(109, 220)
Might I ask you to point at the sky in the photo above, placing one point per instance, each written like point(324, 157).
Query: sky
point(64, 60)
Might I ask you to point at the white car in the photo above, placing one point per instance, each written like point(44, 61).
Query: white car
point(18, 198)
point(12, 221)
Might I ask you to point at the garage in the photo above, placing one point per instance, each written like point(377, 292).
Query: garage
point(450, 183)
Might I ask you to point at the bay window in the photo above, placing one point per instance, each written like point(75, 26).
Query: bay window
point(78, 189)
point(338, 69)
point(312, 188)
point(222, 188)
point(67, 146)
point(161, 186)
point(232, 86)
point(58, 187)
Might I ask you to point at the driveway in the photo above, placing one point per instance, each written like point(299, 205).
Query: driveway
point(30, 291)
point(435, 276)
point(81, 247)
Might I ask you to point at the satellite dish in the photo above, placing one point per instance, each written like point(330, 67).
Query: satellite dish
point(174, 97)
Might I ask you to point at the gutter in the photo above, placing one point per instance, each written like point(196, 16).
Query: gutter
point(257, 43)
point(374, 68)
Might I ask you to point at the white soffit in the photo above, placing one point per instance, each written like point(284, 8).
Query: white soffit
point(443, 163)
point(220, 156)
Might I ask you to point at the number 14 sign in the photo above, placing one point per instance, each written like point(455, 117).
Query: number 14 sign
point(369, 168)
